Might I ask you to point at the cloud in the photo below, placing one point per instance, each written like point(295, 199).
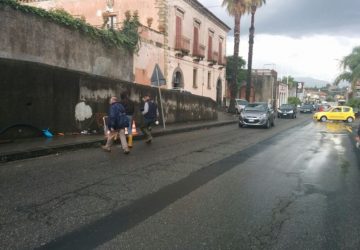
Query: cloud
point(299, 18)
point(298, 37)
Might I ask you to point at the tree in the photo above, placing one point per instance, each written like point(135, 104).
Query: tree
point(351, 68)
point(290, 81)
point(294, 100)
point(330, 99)
point(235, 8)
point(240, 72)
point(251, 6)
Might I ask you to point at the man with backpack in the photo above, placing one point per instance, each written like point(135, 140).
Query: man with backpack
point(117, 122)
point(150, 113)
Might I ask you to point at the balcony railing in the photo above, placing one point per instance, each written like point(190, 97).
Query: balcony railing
point(199, 51)
point(182, 44)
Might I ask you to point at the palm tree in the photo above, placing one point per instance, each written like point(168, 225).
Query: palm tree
point(235, 8)
point(351, 68)
point(251, 7)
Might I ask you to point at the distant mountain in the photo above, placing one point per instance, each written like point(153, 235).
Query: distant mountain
point(311, 82)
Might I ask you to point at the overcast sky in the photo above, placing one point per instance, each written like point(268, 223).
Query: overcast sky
point(301, 38)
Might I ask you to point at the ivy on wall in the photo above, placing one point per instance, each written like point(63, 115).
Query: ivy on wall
point(127, 37)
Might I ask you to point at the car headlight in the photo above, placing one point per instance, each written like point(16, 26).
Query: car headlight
point(263, 116)
point(291, 111)
point(279, 111)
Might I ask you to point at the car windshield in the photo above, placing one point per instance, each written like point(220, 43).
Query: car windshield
point(286, 106)
point(255, 107)
point(307, 106)
point(241, 102)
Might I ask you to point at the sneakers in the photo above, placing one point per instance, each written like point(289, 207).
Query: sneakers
point(106, 149)
point(148, 140)
point(126, 151)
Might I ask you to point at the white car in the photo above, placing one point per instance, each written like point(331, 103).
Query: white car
point(240, 104)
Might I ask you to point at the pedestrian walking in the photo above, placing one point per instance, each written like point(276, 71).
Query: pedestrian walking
point(129, 109)
point(151, 114)
point(117, 121)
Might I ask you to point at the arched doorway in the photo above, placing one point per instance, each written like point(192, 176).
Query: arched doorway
point(178, 79)
point(218, 92)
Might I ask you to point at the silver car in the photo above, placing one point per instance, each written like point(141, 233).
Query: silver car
point(257, 114)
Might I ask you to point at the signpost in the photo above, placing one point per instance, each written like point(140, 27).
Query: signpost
point(158, 79)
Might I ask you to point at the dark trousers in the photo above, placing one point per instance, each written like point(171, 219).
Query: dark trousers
point(146, 127)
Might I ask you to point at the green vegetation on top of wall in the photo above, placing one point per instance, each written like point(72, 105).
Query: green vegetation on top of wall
point(127, 37)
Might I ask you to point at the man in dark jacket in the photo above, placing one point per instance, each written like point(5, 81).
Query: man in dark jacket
point(150, 113)
point(116, 125)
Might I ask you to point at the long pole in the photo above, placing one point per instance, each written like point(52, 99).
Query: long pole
point(161, 106)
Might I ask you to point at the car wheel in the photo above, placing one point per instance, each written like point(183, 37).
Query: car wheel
point(267, 125)
point(323, 119)
point(240, 125)
point(349, 119)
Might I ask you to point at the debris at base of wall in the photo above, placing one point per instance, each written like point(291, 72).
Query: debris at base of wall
point(47, 133)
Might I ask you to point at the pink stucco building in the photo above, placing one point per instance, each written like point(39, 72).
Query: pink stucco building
point(183, 37)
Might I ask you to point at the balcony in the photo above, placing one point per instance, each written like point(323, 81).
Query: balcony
point(198, 52)
point(213, 57)
point(222, 61)
point(182, 44)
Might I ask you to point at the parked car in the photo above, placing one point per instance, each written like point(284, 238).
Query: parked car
point(180, 90)
point(257, 114)
point(240, 104)
point(287, 111)
point(338, 113)
point(306, 108)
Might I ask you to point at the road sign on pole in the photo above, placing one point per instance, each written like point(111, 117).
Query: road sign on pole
point(158, 79)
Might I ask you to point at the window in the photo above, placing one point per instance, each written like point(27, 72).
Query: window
point(178, 27)
point(196, 36)
point(209, 80)
point(195, 78)
point(178, 34)
point(210, 49)
point(221, 40)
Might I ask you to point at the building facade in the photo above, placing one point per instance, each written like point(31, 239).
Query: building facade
point(283, 94)
point(182, 37)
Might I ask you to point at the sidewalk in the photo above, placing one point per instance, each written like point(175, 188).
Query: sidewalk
point(35, 147)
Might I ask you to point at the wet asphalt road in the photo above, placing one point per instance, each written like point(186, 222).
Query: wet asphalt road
point(293, 186)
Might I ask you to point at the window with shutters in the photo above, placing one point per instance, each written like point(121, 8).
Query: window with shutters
point(196, 37)
point(210, 45)
point(178, 34)
point(221, 59)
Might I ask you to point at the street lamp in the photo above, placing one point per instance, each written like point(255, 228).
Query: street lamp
point(250, 55)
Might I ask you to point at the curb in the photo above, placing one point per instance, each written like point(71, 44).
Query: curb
point(43, 151)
